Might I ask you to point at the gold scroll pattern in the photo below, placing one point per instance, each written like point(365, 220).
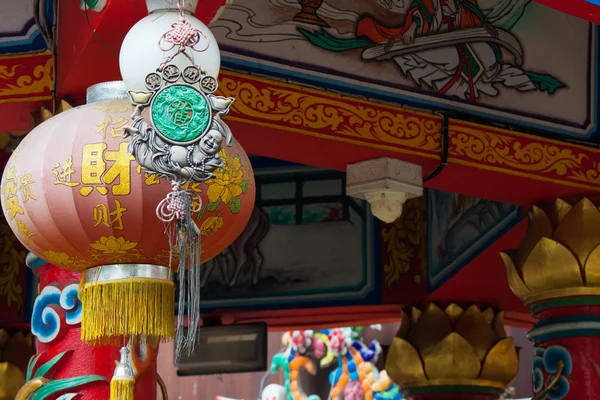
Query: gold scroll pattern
point(318, 113)
point(332, 115)
point(38, 82)
point(519, 154)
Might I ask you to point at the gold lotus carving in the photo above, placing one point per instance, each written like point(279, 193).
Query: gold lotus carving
point(15, 352)
point(559, 255)
point(453, 346)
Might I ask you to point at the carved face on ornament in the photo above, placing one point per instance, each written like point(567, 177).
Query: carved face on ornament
point(211, 142)
point(274, 392)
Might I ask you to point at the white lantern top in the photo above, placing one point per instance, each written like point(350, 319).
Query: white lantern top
point(140, 52)
point(154, 5)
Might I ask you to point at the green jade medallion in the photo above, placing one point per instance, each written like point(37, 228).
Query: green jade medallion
point(180, 114)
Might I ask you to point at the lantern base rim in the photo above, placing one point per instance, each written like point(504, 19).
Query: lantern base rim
point(113, 272)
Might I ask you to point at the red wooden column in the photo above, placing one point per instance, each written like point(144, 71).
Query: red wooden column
point(71, 365)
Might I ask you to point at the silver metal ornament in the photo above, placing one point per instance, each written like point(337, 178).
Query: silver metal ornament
point(185, 133)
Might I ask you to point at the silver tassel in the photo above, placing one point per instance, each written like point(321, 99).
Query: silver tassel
point(185, 239)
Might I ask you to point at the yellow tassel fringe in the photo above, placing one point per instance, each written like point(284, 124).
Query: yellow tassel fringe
point(122, 388)
point(127, 307)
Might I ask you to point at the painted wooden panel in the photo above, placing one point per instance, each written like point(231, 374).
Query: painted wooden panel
point(18, 30)
point(514, 61)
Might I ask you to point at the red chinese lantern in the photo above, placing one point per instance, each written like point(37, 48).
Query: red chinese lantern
point(77, 198)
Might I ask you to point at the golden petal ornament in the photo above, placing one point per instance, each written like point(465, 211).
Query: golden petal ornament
point(580, 229)
point(454, 312)
point(560, 208)
point(592, 268)
point(403, 363)
point(45, 114)
point(499, 325)
point(11, 380)
point(476, 330)
point(431, 327)
point(501, 363)
point(4, 336)
point(415, 315)
point(539, 227)
point(404, 326)
point(540, 277)
point(452, 358)
point(515, 282)
point(489, 315)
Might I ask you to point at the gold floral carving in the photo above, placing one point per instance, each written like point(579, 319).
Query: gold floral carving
point(453, 347)
point(402, 240)
point(15, 352)
point(40, 81)
point(11, 260)
point(559, 255)
point(332, 116)
point(519, 154)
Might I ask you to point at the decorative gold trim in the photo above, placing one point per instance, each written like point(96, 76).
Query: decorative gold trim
point(26, 55)
point(561, 293)
point(332, 116)
point(39, 81)
point(318, 113)
point(455, 382)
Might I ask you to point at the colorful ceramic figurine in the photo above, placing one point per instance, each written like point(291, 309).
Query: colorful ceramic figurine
point(355, 377)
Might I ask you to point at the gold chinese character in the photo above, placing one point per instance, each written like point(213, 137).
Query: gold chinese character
point(62, 173)
point(94, 165)
point(102, 215)
point(26, 191)
point(92, 168)
point(26, 232)
point(113, 128)
point(9, 193)
point(149, 179)
point(121, 169)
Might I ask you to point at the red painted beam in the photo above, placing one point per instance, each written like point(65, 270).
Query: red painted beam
point(584, 9)
point(89, 42)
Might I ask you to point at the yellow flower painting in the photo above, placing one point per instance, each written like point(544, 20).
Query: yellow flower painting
point(227, 183)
